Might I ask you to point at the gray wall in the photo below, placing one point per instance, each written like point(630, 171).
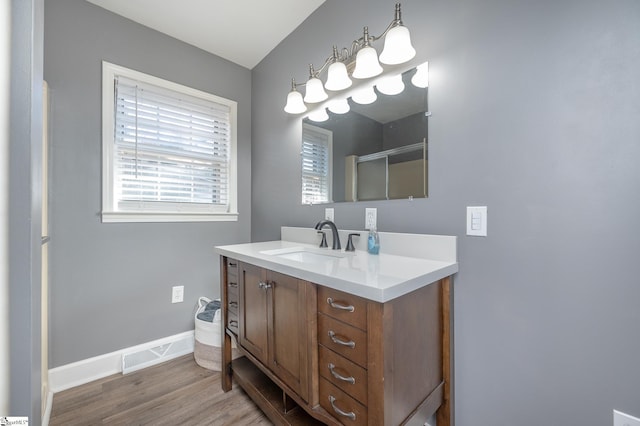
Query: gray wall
point(111, 283)
point(535, 114)
point(25, 209)
point(405, 131)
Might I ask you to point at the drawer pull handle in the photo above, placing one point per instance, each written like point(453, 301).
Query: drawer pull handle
point(350, 414)
point(334, 338)
point(335, 305)
point(233, 323)
point(264, 285)
point(338, 376)
point(233, 304)
point(232, 284)
point(233, 264)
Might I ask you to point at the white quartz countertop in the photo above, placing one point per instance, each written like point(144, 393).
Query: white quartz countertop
point(380, 278)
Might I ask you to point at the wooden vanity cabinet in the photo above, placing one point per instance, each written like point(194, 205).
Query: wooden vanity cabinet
point(342, 358)
point(382, 363)
point(277, 320)
point(253, 315)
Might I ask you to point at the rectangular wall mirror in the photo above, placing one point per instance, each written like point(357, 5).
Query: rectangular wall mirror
point(373, 152)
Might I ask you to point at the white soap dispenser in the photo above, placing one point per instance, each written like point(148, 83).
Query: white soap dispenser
point(373, 242)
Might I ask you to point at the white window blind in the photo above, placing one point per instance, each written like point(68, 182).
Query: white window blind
point(171, 150)
point(316, 164)
point(170, 147)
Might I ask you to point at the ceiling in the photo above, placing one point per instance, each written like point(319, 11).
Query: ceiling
point(241, 31)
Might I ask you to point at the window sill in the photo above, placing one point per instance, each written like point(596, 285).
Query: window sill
point(150, 217)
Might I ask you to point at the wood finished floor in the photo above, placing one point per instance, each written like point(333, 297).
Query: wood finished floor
point(177, 392)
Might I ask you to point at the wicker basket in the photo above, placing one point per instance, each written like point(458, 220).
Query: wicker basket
point(207, 356)
point(210, 357)
point(208, 341)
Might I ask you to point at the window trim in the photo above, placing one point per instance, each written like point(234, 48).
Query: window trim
point(110, 210)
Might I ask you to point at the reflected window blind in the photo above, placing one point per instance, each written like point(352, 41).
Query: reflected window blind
point(170, 147)
point(316, 158)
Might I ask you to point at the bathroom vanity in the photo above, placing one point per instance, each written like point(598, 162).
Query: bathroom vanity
point(335, 337)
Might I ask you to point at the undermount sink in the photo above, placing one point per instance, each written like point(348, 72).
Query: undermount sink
point(304, 254)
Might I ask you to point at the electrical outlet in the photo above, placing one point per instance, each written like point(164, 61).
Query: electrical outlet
point(177, 294)
point(622, 419)
point(370, 218)
point(328, 214)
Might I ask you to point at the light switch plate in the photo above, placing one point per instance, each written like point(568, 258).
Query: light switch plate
point(622, 419)
point(477, 221)
point(328, 213)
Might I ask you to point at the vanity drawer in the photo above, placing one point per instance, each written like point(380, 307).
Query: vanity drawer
point(232, 321)
point(341, 406)
point(232, 290)
point(232, 284)
point(344, 374)
point(233, 326)
point(232, 307)
point(232, 265)
point(342, 338)
point(343, 306)
point(232, 296)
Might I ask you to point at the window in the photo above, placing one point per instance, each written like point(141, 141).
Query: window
point(317, 161)
point(169, 151)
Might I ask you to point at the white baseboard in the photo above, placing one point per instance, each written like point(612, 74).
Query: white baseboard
point(85, 371)
point(47, 410)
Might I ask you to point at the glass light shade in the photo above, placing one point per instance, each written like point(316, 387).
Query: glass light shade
point(364, 96)
point(337, 77)
point(397, 46)
point(315, 92)
point(391, 85)
point(339, 106)
point(367, 64)
point(421, 77)
point(319, 115)
point(294, 105)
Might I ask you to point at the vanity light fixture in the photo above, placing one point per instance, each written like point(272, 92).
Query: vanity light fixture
point(367, 64)
point(391, 85)
point(295, 104)
point(361, 60)
point(315, 92)
point(319, 115)
point(421, 77)
point(339, 106)
point(397, 45)
point(364, 96)
point(337, 75)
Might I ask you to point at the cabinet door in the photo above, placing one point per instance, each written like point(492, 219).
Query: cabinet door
point(253, 310)
point(289, 335)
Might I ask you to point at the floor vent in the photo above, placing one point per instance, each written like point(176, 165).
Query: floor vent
point(166, 350)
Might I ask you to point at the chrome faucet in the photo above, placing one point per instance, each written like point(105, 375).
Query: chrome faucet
point(334, 232)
